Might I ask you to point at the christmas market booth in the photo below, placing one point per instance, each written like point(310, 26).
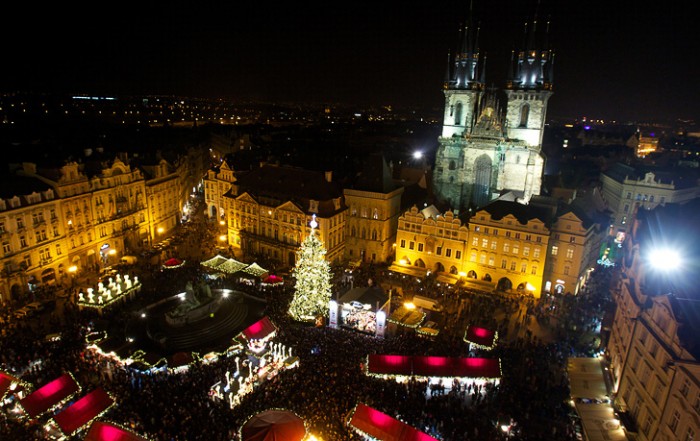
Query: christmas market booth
point(370, 422)
point(407, 316)
point(252, 274)
point(402, 366)
point(173, 263)
point(481, 337)
point(273, 425)
point(50, 396)
point(359, 307)
point(10, 384)
point(272, 280)
point(79, 414)
point(104, 431)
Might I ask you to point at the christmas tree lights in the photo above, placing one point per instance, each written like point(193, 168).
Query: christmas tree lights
point(312, 290)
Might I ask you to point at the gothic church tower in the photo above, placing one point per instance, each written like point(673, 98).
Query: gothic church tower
point(485, 148)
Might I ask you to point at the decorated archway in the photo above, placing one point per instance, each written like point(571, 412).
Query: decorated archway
point(420, 264)
point(472, 274)
point(487, 277)
point(439, 268)
point(453, 270)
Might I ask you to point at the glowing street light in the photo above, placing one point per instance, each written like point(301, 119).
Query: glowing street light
point(666, 259)
point(417, 154)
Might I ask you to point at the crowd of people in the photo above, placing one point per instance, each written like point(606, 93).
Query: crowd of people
point(530, 400)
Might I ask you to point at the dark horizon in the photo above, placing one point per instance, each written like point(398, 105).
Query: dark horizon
point(611, 63)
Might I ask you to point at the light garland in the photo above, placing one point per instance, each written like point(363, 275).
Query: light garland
point(480, 346)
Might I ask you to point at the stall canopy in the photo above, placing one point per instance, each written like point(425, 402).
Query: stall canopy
point(6, 382)
point(260, 329)
point(273, 280)
point(255, 270)
point(80, 413)
point(231, 266)
point(49, 395)
point(389, 364)
point(101, 431)
point(379, 425)
point(214, 261)
point(480, 336)
point(173, 262)
point(467, 367)
point(274, 425)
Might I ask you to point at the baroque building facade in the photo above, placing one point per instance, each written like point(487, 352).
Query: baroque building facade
point(485, 148)
point(267, 213)
point(627, 189)
point(374, 207)
point(64, 220)
point(653, 347)
point(506, 246)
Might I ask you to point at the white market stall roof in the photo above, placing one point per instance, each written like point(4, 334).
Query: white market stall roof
point(214, 261)
point(255, 270)
point(231, 266)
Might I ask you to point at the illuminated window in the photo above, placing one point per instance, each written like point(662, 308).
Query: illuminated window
point(482, 259)
point(526, 251)
point(491, 260)
point(570, 253)
point(504, 263)
point(534, 270)
point(494, 244)
point(475, 241)
point(484, 243)
point(506, 247)
point(472, 256)
point(555, 250)
point(512, 266)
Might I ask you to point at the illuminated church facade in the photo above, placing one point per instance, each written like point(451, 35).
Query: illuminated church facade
point(487, 147)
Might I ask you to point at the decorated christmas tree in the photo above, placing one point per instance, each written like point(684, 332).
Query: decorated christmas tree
point(312, 272)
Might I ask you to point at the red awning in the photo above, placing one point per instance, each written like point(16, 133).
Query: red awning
point(101, 431)
point(381, 426)
point(173, 262)
point(469, 367)
point(83, 411)
point(49, 395)
point(477, 367)
point(260, 329)
point(433, 366)
point(389, 364)
point(480, 336)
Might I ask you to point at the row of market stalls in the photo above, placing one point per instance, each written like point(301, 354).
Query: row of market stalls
point(66, 415)
point(234, 268)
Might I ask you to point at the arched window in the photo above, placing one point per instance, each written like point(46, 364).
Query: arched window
point(453, 270)
point(352, 232)
point(458, 114)
point(363, 234)
point(524, 114)
point(452, 165)
point(374, 234)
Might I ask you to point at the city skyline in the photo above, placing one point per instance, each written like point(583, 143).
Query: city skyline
point(611, 63)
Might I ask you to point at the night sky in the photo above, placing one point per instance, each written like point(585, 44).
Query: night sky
point(613, 61)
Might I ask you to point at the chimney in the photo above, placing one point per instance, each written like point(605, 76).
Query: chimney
point(329, 176)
